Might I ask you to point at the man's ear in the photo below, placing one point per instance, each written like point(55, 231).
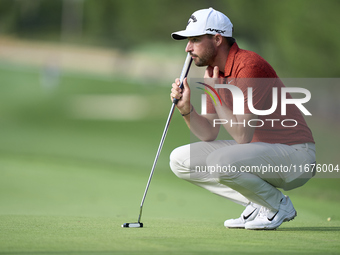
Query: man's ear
point(218, 39)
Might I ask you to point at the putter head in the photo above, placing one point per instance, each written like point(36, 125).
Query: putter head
point(132, 225)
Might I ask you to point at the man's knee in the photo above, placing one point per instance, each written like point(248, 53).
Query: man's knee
point(179, 162)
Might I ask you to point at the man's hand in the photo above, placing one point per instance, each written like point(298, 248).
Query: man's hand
point(183, 95)
point(211, 75)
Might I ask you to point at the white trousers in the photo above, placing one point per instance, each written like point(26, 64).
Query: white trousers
point(244, 173)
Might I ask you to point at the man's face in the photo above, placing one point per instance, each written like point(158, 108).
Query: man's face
point(202, 50)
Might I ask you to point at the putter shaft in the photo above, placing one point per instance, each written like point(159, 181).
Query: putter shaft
point(184, 74)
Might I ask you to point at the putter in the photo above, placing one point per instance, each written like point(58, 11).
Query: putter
point(184, 74)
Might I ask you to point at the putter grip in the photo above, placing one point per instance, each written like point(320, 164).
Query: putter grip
point(184, 73)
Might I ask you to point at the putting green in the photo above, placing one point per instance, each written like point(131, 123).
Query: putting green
point(60, 206)
point(67, 185)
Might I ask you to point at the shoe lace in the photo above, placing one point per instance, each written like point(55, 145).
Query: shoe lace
point(263, 212)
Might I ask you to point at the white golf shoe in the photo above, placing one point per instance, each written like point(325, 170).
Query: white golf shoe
point(269, 219)
point(247, 215)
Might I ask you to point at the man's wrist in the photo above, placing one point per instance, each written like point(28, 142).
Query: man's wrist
point(191, 109)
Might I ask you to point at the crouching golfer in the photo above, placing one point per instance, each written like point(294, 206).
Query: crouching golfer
point(258, 141)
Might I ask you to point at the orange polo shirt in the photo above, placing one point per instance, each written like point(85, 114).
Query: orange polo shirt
point(274, 128)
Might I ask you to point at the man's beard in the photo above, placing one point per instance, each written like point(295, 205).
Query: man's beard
point(205, 59)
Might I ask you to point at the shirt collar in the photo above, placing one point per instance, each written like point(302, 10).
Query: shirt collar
point(230, 59)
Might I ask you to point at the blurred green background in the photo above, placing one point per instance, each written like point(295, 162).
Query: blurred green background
point(299, 38)
point(84, 96)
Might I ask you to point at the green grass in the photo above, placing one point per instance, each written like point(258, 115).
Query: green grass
point(63, 207)
point(66, 207)
point(67, 185)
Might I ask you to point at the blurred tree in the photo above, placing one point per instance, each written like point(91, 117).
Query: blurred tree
point(30, 19)
point(72, 19)
point(298, 37)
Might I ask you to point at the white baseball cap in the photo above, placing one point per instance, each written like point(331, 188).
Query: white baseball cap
point(206, 21)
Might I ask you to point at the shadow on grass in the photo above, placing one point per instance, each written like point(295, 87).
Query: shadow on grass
point(316, 229)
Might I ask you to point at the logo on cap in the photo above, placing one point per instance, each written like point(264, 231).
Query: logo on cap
point(216, 30)
point(193, 18)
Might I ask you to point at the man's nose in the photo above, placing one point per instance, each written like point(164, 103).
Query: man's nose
point(189, 47)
